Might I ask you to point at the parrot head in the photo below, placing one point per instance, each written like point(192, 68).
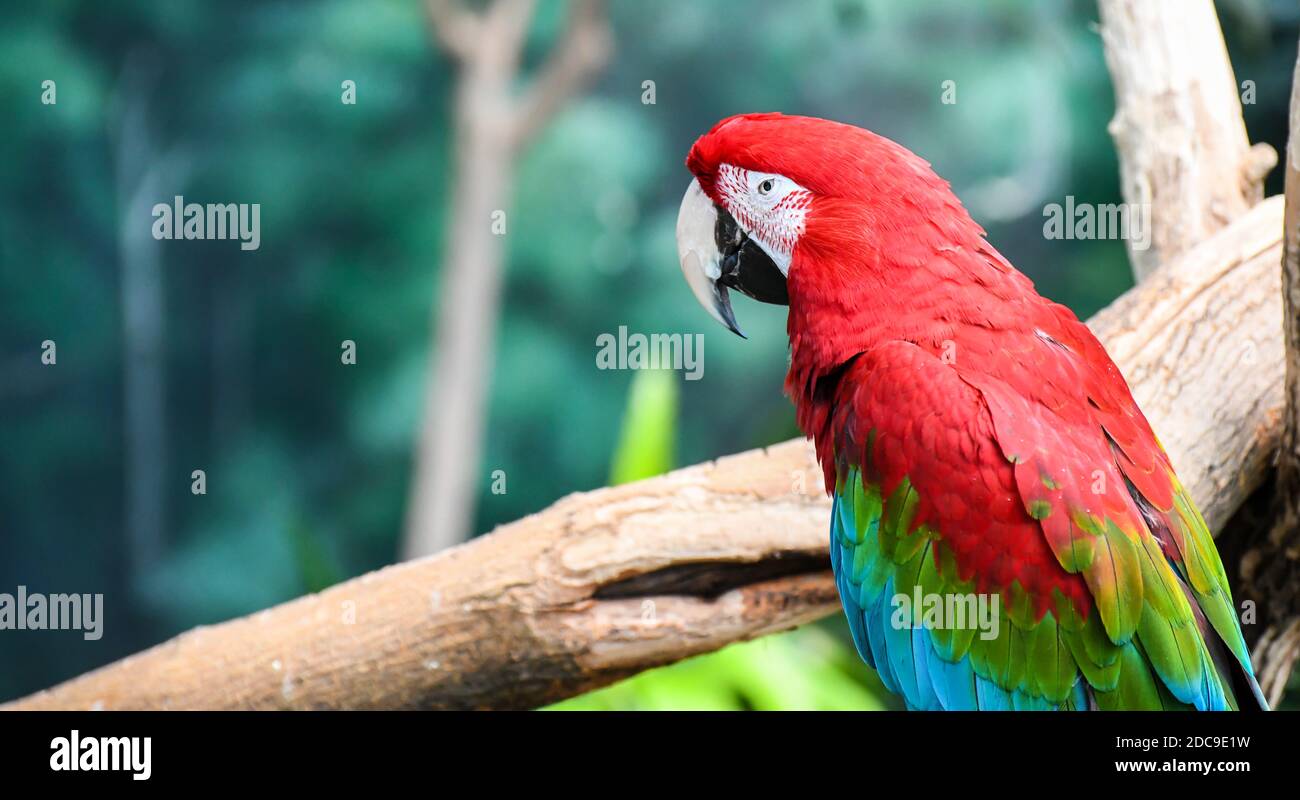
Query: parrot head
point(771, 193)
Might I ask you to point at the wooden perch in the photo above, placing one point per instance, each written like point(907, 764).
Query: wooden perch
point(1199, 343)
point(605, 584)
point(1184, 154)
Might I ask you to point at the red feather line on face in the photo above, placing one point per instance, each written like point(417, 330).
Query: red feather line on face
point(890, 256)
point(779, 227)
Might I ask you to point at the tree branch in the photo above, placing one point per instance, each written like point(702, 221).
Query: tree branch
point(488, 134)
point(1178, 127)
point(1198, 343)
point(608, 583)
point(456, 28)
point(580, 53)
point(1184, 152)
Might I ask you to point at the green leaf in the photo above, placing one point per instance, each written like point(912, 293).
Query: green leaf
point(646, 443)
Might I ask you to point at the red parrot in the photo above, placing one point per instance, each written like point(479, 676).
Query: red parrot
point(981, 448)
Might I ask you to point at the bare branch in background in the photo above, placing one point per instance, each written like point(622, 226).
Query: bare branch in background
point(491, 126)
point(138, 176)
point(454, 27)
point(581, 52)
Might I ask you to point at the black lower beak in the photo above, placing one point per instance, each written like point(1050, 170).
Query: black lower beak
point(745, 268)
point(722, 302)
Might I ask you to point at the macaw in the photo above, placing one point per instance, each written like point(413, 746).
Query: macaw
point(976, 439)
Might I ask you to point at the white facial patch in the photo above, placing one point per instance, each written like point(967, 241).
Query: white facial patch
point(770, 207)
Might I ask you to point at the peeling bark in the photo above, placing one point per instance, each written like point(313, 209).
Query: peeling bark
point(1199, 342)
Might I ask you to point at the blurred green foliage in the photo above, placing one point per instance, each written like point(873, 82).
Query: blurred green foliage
point(645, 446)
point(806, 669)
point(307, 460)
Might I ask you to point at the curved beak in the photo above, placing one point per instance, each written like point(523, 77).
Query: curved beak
point(717, 254)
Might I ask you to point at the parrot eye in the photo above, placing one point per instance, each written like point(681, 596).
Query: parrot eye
point(768, 207)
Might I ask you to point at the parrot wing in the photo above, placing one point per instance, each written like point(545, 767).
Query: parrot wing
point(952, 483)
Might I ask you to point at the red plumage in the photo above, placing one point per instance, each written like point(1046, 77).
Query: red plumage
point(904, 321)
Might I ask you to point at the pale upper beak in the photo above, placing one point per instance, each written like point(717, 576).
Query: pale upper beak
point(700, 256)
point(716, 253)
